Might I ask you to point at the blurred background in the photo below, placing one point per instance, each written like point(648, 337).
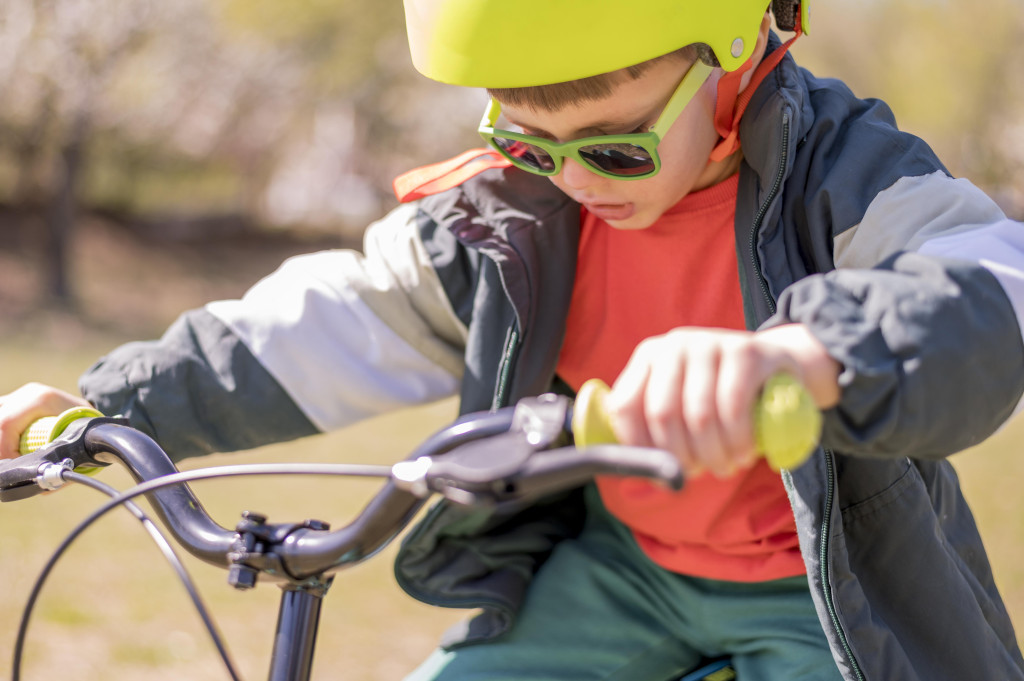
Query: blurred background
point(212, 123)
point(157, 155)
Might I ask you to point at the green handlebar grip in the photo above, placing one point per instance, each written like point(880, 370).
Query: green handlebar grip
point(49, 428)
point(787, 425)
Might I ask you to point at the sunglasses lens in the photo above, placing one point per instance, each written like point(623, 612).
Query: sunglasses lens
point(525, 155)
point(619, 159)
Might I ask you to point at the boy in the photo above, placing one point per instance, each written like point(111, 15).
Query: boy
point(764, 199)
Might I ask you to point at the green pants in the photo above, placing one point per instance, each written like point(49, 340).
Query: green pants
point(600, 610)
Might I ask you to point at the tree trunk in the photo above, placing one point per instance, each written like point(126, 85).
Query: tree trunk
point(63, 211)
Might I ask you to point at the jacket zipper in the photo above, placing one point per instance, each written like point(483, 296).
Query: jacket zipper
point(763, 210)
point(823, 552)
point(826, 585)
point(508, 354)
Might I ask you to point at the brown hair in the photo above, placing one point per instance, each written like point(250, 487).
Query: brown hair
point(556, 96)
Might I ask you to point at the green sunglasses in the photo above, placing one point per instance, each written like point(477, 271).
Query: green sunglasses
point(631, 156)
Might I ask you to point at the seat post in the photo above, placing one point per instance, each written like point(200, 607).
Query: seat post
point(298, 620)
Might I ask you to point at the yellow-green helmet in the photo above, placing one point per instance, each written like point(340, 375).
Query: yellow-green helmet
point(517, 43)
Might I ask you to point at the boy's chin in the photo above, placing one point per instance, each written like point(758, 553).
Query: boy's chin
point(635, 222)
point(625, 216)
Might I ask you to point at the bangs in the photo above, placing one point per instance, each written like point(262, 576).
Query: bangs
point(557, 96)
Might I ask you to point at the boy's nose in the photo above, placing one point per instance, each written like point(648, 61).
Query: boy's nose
point(577, 176)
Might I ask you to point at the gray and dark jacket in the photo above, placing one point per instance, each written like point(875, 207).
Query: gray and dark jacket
point(914, 281)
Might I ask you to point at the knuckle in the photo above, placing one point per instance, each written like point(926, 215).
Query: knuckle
point(661, 417)
point(647, 346)
point(746, 354)
point(32, 394)
point(734, 412)
point(677, 333)
point(33, 388)
point(701, 417)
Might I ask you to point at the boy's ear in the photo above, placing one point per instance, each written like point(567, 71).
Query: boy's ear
point(762, 45)
point(762, 33)
point(759, 49)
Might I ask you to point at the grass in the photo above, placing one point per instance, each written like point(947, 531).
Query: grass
point(991, 475)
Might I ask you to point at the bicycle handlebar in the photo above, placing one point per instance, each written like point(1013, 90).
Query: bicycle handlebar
point(458, 462)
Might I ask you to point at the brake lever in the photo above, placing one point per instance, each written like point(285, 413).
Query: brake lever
point(532, 463)
point(33, 473)
point(545, 473)
point(568, 467)
point(470, 473)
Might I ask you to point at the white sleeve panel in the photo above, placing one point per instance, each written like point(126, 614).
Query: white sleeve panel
point(941, 216)
point(999, 248)
point(911, 212)
point(325, 345)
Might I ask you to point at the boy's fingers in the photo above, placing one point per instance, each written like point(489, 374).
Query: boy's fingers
point(663, 409)
point(21, 408)
point(8, 441)
point(11, 428)
point(736, 395)
point(700, 415)
point(625, 405)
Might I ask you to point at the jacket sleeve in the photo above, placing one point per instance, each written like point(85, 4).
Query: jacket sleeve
point(924, 314)
point(328, 339)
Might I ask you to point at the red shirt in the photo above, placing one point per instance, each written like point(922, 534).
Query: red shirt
point(632, 284)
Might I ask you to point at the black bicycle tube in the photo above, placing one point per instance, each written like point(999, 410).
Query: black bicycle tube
point(307, 553)
point(298, 621)
point(177, 506)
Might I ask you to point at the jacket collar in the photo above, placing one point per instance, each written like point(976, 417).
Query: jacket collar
point(782, 93)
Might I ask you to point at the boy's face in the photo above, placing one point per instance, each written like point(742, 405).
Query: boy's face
point(633, 106)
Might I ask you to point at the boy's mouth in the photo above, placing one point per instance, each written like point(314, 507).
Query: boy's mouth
point(611, 211)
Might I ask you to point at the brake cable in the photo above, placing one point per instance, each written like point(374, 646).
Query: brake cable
point(158, 538)
point(119, 498)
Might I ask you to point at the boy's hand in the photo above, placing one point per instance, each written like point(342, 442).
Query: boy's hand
point(21, 408)
point(692, 391)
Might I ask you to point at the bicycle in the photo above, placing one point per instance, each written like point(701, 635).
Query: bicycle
point(538, 438)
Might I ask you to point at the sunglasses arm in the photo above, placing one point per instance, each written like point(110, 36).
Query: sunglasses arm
point(491, 114)
point(685, 91)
